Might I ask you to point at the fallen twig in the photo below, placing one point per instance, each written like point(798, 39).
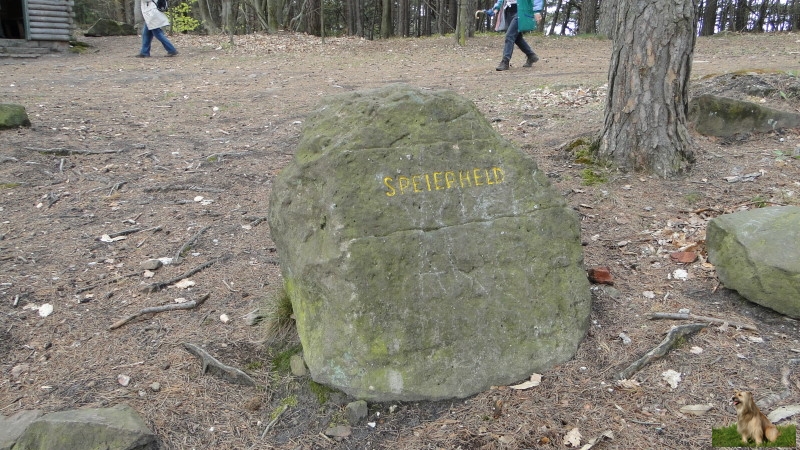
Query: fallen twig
point(67, 152)
point(212, 365)
point(181, 187)
point(178, 258)
point(155, 287)
point(105, 282)
point(686, 316)
point(659, 351)
point(274, 421)
point(158, 309)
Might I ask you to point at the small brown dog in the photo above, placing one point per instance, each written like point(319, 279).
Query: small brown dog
point(752, 422)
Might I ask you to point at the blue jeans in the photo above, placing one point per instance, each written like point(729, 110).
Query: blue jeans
point(158, 33)
point(513, 36)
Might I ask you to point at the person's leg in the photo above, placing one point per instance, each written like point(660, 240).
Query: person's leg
point(147, 39)
point(531, 55)
point(159, 34)
point(508, 48)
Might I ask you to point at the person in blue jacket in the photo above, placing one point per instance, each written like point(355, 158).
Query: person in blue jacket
point(511, 10)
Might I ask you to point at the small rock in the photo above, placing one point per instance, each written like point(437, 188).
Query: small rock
point(151, 264)
point(625, 339)
point(18, 370)
point(45, 310)
point(298, 366)
point(356, 412)
point(124, 380)
point(155, 387)
point(224, 318)
point(341, 431)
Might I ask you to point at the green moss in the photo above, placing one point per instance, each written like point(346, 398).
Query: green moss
point(9, 185)
point(286, 403)
point(729, 437)
point(758, 201)
point(591, 177)
point(321, 391)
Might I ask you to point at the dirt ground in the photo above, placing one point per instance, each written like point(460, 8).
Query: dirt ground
point(167, 152)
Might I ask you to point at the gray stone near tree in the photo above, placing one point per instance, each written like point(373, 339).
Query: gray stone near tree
point(756, 252)
point(116, 428)
point(13, 116)
point(724, 117)
point(425, 256)
point(108, 27)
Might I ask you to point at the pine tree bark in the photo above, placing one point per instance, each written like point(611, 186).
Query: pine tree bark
point(648, 98)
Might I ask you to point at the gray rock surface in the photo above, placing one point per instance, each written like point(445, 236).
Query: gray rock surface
point(356, 412)
point(116, 428)
point(724, 117)
point(13, 116)
point(425, 256)
point(756, 252)
point(12, 427)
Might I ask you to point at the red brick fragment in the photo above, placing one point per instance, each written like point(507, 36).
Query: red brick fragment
point(683, 257)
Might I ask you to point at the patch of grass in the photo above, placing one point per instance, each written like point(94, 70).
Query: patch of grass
point(758, 201)
point(9, 185)
point(281, 361)
point(287, 402)
point(254, 365)
point(693, 197)
point(591, 177)
point(729, 437)
point(320, 390)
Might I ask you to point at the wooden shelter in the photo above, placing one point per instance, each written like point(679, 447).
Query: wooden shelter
point(35, 26)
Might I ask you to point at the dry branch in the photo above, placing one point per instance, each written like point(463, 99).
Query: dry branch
point(675, 334)
point(212, 365)
point(181, 187)
point(686, 316)
point(178, 258)
point(274, 421)
point(155, 287)
point(157, 309)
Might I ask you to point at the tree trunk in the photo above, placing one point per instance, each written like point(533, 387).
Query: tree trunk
point(588, 17)
point(608, 15)
point(648, 88)
point(386, 20)
point(462, 27)
point(555, 17)
point(206, 17)
point(274, 8)
point(709, 18)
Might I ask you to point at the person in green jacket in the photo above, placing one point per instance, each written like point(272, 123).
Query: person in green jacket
point(531, 15)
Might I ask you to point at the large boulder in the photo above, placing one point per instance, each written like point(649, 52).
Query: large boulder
point(756, 252)
point(724, 117)
point(425, 256)
point(116, 428)
point(108, 27)
point(13, 116)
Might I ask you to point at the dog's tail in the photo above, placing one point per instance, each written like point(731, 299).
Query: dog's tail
point(771, 433)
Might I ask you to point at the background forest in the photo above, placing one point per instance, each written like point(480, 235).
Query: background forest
point(373, 19)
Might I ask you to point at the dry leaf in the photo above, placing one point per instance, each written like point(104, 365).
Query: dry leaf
point(184, 283)
point(535, 380)
point(573, 438)
point(628, 384)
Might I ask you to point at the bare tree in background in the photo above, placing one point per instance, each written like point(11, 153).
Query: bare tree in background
point(648, 98)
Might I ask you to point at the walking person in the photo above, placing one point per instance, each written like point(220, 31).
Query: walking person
point(154, 20)
point(530, 12)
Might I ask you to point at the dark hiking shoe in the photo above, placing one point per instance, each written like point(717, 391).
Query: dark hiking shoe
point(503, 65)
point(142, 56)
point(172, 54)
point(532, 58)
